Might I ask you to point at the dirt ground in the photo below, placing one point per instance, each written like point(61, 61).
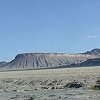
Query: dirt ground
point(50, 84)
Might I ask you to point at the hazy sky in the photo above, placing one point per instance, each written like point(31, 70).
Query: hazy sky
point(67, 26)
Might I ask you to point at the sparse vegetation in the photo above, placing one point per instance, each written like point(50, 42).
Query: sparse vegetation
point(73, 84)
point(30, 98)
point(52, 95)
point(97, 85)
point(44, 84)
point(98, 81)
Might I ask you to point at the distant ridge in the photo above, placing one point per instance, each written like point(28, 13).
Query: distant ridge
point(3, 64)
point(51, 60)
point(88, 62)
point(93, 52)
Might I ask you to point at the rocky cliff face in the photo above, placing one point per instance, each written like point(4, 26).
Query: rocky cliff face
point(45, 60)
point(50, 60)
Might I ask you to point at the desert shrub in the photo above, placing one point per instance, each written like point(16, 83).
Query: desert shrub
point(44, 88)
point(30, 98)
point(97, 87)
point(52, 95)
point(98, 81)
point(52, 88)
point(73, 85)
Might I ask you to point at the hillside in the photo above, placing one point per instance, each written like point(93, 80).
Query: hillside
point(50, 60)
point(88, 62)
point(93, 52)
point(44, 60)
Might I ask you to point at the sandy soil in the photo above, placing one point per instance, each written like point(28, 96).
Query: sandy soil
point(50, 84)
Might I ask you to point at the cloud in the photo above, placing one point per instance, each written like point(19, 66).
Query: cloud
point(93, 36)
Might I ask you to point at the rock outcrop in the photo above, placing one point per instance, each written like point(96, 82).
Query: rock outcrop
point(53, 60)
point(45, 60)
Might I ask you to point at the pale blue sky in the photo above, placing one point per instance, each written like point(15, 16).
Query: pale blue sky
point(65, 26)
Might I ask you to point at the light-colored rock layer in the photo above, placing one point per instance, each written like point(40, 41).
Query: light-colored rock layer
point(45, 60)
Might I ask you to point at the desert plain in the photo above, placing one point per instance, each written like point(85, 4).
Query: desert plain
point(80, 83)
